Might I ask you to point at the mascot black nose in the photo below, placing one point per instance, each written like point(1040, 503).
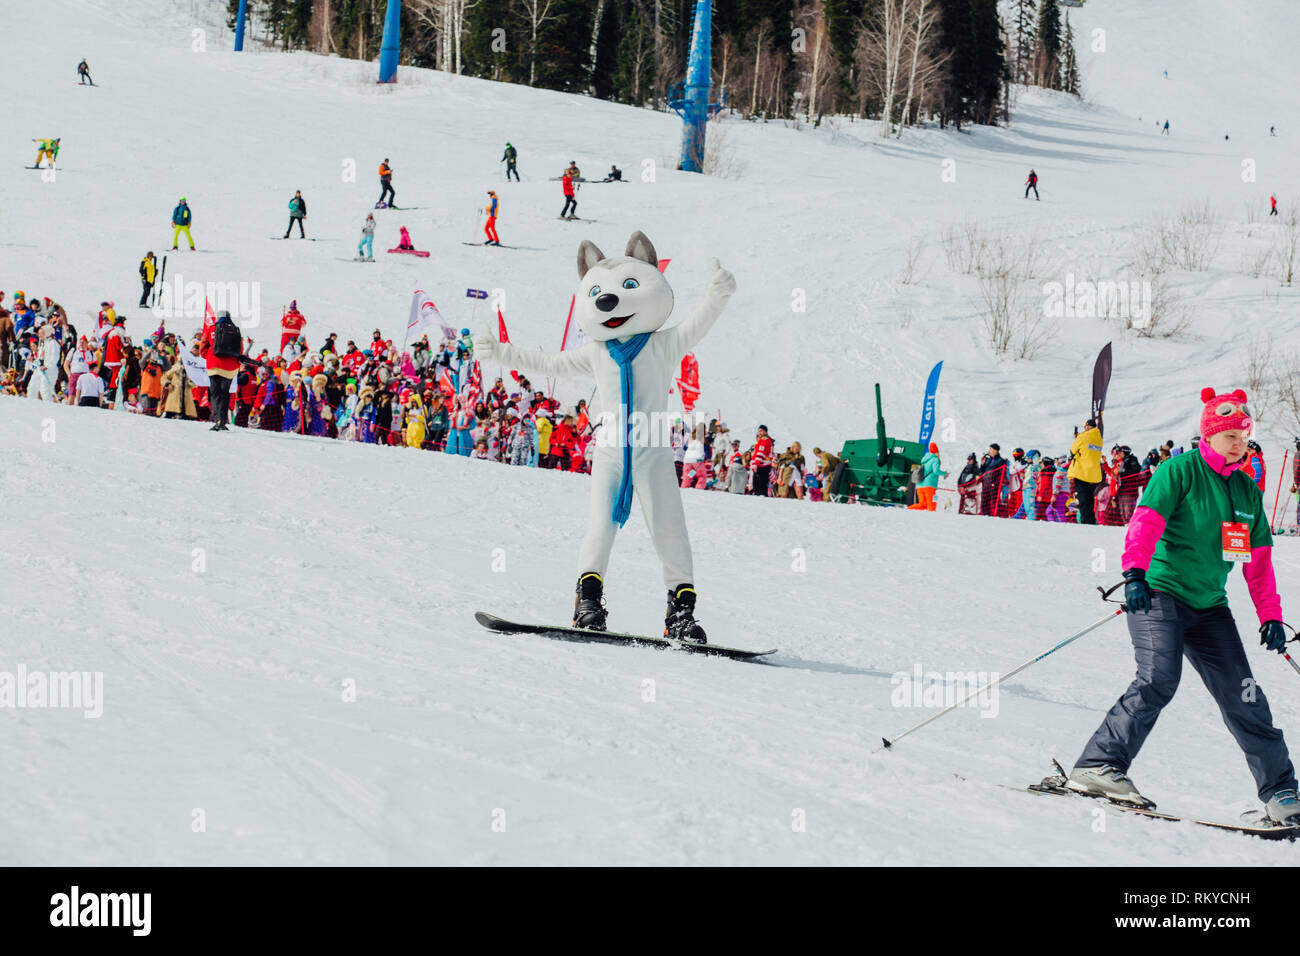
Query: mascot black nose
point(607, 302)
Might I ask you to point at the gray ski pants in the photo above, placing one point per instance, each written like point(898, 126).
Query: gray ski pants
point(1210, 642)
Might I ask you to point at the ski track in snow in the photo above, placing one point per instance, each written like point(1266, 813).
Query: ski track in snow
point(328, 562)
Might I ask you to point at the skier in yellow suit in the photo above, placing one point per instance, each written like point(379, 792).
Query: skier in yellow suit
point(46, 149)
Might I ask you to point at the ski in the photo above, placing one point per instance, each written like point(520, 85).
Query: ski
point(582, 636)
point(300, 238)
point(488, 245)
point(575, 219)
point(1254, 823)
point(356, 259)
point(162, 279)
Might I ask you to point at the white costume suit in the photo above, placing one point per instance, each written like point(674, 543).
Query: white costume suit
point(654, 478)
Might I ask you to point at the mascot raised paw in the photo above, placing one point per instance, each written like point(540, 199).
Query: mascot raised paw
point(622, 305)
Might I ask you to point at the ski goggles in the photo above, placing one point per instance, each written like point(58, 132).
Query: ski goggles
point(1231, 408)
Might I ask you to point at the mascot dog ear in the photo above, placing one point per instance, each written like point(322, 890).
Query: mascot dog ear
point(639, 247)
point(588, 256)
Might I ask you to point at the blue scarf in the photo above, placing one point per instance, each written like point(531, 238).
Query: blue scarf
point(623, 353)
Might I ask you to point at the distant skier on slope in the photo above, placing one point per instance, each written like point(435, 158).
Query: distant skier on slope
point(181, 218)
point(83, 73)
point(1031, 183)
point(297, 213)
point(1272, 205)
point(510, 157)
point(491, 228)
point(366, 247)
point(46, 149)
point(570, 210)
point(1165, 131)
point(386, 181)
point(1175, 572)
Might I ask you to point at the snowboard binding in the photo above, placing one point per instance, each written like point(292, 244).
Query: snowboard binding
point(589, 604)
point(679, 621)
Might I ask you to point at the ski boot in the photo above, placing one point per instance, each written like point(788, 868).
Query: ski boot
point(589, 605)
point(1284, 808)
point(1108, 782)
point(679, 622)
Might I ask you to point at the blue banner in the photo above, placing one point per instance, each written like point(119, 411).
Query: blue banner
point(475, 294)
point(927, 409)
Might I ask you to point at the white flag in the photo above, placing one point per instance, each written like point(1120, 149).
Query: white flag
point(424, 316)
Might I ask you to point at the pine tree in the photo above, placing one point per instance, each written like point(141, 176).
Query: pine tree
point(1047, 59)
point(972, 32)
point(1026, 12)
point(1069, 62)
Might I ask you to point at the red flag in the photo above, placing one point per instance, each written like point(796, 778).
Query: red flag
point(445, 385)
point(502, 334)
point(209, 317)
point(688, 383)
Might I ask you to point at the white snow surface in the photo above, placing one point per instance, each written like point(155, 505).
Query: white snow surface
point(232, 589)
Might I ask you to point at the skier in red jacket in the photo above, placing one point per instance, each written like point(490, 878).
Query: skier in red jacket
point(570, 210)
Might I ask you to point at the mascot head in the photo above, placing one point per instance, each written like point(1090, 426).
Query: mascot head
point(619, 298)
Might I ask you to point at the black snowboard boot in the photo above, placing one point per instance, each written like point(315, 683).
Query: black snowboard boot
point(679, 622)
point(589, 605)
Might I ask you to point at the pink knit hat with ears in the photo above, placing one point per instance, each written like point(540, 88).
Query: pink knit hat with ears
point(1213, 419)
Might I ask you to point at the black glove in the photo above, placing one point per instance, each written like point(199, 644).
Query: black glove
point(1272, 636)
point(1137, 595)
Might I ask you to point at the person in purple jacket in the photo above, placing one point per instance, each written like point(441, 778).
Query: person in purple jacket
point(1200, 516)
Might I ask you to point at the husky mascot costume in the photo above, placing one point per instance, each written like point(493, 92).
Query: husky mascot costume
point(622, 305)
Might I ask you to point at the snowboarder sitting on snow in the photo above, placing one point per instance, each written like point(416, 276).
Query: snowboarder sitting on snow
point(1031, 183)
point(83, 73)
point(405, 242)
point(623, 305)
point(615, 175)
point(1199, 515)
point(297, 213)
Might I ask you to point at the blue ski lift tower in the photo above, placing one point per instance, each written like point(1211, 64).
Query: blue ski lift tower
point(691, 99)
point(392, 42)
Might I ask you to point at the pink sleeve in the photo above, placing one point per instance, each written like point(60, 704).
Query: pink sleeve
point(1140, 542)
point(1262, 584)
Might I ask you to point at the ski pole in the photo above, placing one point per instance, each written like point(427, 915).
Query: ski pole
point(1277, 496)
point(993, 683)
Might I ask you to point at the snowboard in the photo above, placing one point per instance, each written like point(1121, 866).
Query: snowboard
point(410, 252)
point(356, 259)
point(1253, 823)
point(582, 636)
point(299, 238)
point(574, 219)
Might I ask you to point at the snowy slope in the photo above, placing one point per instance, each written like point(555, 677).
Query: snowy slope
point(223, 689)
point(327, 562)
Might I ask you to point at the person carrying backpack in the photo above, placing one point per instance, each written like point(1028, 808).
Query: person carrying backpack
point(221, 347)
point(1031, 183)
point(510, 157)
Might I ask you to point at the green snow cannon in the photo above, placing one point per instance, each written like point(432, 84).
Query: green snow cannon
point(876, 471)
